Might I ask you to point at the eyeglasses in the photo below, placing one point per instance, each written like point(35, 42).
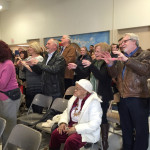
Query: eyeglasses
point(125, 41)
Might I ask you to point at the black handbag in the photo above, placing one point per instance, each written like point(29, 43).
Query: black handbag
point(13, 94)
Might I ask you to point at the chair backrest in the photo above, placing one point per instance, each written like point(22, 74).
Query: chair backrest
point(2, 125)
point(69, 91)
point(24, 137)
point(42, 100)
point(59, 104)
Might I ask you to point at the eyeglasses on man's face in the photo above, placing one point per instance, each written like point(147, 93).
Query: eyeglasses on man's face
point(125, 41)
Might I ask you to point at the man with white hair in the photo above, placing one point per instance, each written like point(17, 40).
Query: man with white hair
point(132, 71)
point(69, 54)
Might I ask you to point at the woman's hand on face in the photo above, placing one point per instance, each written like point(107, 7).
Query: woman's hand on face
point(86, 63)
point(70, 131)
point(72, 66)
point(62, 128)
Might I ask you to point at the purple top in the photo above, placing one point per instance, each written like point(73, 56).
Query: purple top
point(8, 79)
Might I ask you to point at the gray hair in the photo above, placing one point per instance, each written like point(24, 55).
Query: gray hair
point(56, 42)
point(133, 37)
point(68, 37)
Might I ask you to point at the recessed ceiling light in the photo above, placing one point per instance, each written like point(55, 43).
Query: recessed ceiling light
point(1, 7)
point(23, 45)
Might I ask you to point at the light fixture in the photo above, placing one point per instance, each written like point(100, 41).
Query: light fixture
point(1, 7)
point(23, 45)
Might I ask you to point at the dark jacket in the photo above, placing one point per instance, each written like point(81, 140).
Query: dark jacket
point(104, 81)
point(81, 72)
point(52, 75)
point(136, 73)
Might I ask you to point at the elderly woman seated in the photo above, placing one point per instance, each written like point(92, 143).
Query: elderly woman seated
point(80, 122)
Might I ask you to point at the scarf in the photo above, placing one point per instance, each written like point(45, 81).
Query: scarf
point(94, 81)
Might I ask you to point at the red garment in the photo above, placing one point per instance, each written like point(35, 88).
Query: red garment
point(72, 142)
point(74, 105)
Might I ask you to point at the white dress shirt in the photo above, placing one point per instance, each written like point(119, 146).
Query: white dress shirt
point(49, 57)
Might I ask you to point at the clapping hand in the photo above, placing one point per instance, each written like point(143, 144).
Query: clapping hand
point(72, 66)
point(32, 62)
point(86, 63)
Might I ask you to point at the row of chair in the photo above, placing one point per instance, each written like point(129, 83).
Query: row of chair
point(21, 136)
point(59, 104)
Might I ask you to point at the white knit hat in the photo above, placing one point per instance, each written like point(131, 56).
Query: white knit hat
point(86, 84)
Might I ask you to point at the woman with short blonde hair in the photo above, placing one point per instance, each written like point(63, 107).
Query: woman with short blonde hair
point(33, 80)
point(36, 47)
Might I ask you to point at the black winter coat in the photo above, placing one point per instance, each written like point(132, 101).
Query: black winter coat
point(104, 81)
point(52, 75)
point(81, 72)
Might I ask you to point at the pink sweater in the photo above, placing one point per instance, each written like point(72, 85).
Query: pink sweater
point(8, 79)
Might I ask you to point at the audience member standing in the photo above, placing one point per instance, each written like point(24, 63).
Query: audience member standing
point(52, 69)
point(132, 71)
point(33, 80)
point(69, 54)
point(91, 50)
point(80, 70)
point(8, 82)
point(23, 56)
point(101, 81)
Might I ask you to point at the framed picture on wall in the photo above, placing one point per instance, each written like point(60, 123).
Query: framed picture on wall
point(33, 40)
point(86, 39)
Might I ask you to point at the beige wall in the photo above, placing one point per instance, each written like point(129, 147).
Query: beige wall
point(38, 19)
point(32, 19)
point(131, 13)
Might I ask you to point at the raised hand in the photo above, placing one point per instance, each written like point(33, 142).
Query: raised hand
point(121, 56)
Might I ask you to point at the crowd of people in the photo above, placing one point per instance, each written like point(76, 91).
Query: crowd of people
point(97, 75)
